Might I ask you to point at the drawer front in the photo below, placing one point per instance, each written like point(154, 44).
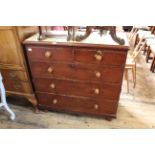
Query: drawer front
point(73, 88)
point(17, 86)
point(76, 72)
point(105, 57)
point(73, 104)
point(14, 75)
point(47, 54)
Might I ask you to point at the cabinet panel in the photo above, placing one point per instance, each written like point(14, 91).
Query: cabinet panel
point(12, 61)
point(10, 50)
point(14, 74)
point(17, 86)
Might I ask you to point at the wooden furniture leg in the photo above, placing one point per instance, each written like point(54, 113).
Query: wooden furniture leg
point(33, 100)
point(127, 79)
point(134, 74)
point(153, 65)
point(148, 54)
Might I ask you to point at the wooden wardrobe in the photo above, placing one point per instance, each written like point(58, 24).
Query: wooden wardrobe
point(12, 61)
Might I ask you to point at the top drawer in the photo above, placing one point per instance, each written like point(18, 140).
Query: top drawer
point(106, 57)
point(46, 54)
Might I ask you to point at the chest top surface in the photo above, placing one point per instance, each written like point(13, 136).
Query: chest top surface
point(94, 40)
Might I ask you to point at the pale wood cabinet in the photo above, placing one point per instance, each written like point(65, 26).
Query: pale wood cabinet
point(12, 61)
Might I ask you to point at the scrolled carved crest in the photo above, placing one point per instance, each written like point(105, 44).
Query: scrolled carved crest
point(72, 33)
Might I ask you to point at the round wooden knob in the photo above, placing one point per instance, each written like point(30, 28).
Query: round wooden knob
point(17, 86)
point(98, 57)
point(98, 74)
point(48, 54)
point(55, 101)
point(29, 49)
point(12, 74)
point(50, 69)
point(96, 106)
point(96, 91)
point(52, 85)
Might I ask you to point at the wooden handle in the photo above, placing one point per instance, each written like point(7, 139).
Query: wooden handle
point(17, 86)
point(96, 91)
point(98, 57)
point(48, 54)
point(50, 69)
point(12, 74)
point(55, 101)
point(98, 74)
point(96, 106)
point(52, 85)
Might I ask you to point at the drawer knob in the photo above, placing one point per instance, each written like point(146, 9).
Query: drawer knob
point(17, 86)
point(96, 106)
point(48, 54)
point(55, 101)
point(50, 69)
point(98, 57)
point(12, 74)
point(29, 49)
point(52, 85)
point(98, 74)
point(96, 91)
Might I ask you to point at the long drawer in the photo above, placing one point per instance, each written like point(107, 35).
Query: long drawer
point(73, 104)
point(76, 72)
point(67, 87)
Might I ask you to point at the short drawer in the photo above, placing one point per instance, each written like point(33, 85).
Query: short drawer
point(74, 88)
point(14, 75)
point(17, 86)
point(106, 57)
point(46, 53)
point(73, 104)
point(76, 72)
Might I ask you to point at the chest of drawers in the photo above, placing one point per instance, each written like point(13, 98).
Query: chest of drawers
point(76, 77)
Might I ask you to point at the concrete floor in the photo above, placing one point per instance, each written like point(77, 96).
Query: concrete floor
point(136, 109)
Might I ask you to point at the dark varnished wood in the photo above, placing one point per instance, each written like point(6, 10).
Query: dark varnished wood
point(78, 88)
point(76, 71)
point(76, 77)
point(54, 54)
point(86, 55)
point(74, 104)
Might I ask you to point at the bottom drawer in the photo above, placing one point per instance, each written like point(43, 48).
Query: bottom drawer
point(77, 105)
point(17, 86)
